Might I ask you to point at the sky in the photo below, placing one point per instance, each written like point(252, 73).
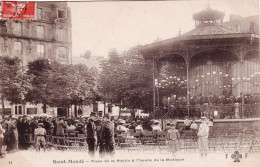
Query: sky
point(101, 26)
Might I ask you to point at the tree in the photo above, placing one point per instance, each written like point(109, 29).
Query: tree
point(110, 78)
point(22, 83)
point(72, 85)
point(59, 85)
point(87, 54)
point(39, 70)
point(82, 86)
point(127, 78)
point(14, 82)
point(138, 92)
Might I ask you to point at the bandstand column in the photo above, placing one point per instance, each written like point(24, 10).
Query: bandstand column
point(188, 87)
point(154, 93)
point(241, 55)
point(158, 81)
point(242, 87)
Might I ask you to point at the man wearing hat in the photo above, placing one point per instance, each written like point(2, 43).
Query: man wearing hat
point(121, 128)
point(139, 127)
point(40, 134)
point(168, 126)
point(187, 123)
point(203, 134)
point(98, 123)
point(91, 133)
point(107, 136)
point(155, 127)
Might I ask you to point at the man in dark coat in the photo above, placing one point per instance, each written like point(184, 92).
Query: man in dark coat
point(107, 136)
point(98, 123)
point(33, 126)
point(91, 134)
point(46, 125)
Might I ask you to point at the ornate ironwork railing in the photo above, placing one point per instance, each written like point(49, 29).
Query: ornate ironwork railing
point(222, 111)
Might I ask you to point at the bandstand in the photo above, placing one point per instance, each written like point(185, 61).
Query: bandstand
point(218, 62)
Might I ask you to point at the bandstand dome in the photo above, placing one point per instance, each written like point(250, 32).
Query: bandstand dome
point(208, 22)
point(209, 15)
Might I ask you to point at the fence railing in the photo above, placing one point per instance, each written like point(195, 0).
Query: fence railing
point(228, 111)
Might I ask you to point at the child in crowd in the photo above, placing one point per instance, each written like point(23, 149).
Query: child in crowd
point(173, 138)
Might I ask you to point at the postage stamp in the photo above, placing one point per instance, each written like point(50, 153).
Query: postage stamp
point(18, 10)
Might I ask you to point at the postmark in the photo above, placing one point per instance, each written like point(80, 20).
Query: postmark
point(18, 10)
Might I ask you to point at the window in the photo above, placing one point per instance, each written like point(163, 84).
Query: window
point(39, 13)
point(61, 34)
point(18, 110)
point(17, 48)
point(17, 28)
point(40, 31)
point(62, 53)
point(31, 110)
point(61, 14)
point(40, 50)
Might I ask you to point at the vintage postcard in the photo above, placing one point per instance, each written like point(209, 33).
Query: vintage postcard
point(129, 83)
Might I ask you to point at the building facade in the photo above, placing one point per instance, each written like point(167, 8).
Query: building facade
point(243, 25)
point(49, 36)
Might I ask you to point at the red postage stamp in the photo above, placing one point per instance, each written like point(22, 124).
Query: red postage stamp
point(18, 10)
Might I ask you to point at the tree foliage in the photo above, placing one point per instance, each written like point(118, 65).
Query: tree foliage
point(39, 71)
point(14, 82)
point(59, 85)
point(72, 84)
point(127, 78)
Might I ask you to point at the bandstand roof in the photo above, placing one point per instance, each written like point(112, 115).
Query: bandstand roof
point(180, 42)
point(209, 29)
point(208, 33)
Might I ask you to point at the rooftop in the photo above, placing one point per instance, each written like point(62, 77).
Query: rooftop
point(208, 29)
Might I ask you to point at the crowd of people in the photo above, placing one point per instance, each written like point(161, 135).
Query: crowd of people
point(26, 131)
point(99, 131)
point(215, 100)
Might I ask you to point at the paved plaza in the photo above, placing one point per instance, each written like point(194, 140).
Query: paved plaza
point(123, 157)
